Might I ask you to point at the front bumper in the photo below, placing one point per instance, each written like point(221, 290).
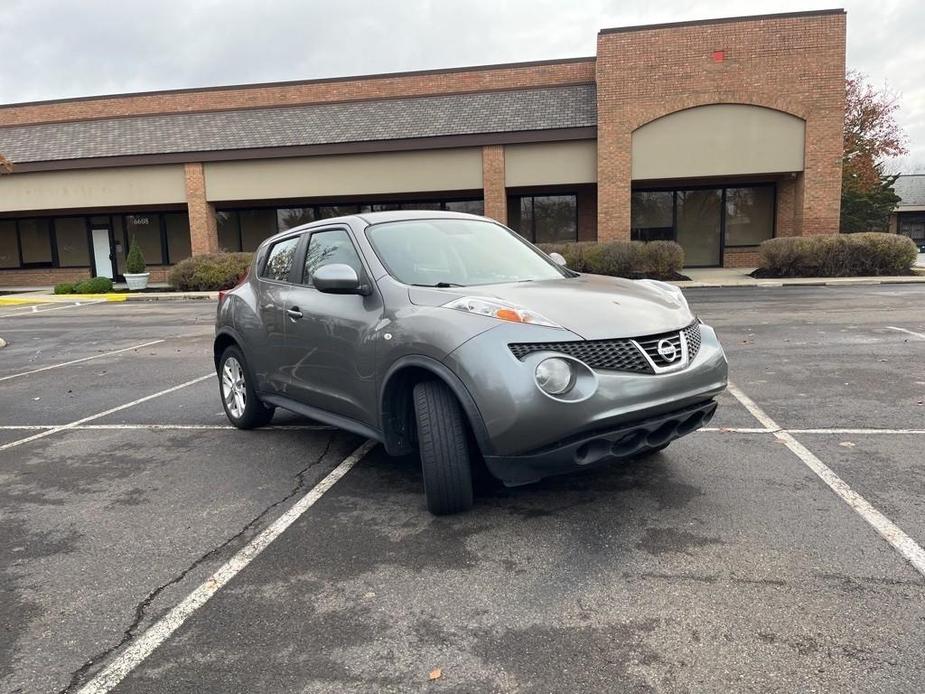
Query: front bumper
point(591, 449)
point(519, 419)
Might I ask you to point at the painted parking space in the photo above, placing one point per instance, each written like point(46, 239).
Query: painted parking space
point(697, 565)
point(722, 563)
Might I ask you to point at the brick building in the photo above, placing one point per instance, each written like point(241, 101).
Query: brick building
point(718, 134)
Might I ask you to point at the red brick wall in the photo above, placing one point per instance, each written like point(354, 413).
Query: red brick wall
point(793, 64)
point(493, 183)
point(587, 213)
point(202, 224)
point(734, 257)
point(450, 81)
point(48, 277)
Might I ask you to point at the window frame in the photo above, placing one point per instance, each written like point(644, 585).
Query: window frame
point(302, 251)
point(517, 197)
point(265, 258)
point(723, 187)
point(88, 237)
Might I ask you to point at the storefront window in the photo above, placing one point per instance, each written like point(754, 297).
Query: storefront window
point(71, 237)
point(913, 226)
point(468, 206)
point(35, 241)
point(652, 216)
point(291, 217)
point(9, 246)
point(229, 231)
point(146, 230)
point(176, 225)
point(749, 215)
point(699, 225)
point(544, 218)
point(256, 225)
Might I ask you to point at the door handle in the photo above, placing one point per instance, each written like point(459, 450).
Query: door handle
point(294, 313)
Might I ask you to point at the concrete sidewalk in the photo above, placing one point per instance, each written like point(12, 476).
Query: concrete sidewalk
point(740, 277)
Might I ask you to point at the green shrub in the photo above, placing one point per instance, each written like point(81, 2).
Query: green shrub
point(95, 285)
point(634, 259)
point(663, 259)
point(135, 260)
point(208, 273)
point(64, 288)
point(837, 255)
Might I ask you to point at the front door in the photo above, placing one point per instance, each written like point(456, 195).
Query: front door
point(102, 253)
point(331, 355)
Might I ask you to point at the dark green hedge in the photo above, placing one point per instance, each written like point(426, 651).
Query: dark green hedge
point(209, 273)
point(837, 255)
point(661, 260)
point(94, 285)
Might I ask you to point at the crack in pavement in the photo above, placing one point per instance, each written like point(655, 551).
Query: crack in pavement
point(80, 675)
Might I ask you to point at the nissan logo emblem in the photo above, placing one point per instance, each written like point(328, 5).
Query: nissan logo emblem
point(667, 350)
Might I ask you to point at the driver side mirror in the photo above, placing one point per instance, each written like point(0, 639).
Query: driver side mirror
point(558, 259)
point(338, 278)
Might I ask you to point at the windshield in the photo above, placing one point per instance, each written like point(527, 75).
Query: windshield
point(457, 253)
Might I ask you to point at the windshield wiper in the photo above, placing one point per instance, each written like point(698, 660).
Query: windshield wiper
point(439, 285)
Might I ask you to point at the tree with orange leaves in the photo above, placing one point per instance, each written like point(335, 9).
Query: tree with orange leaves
point(5, 165)
point(871, 136)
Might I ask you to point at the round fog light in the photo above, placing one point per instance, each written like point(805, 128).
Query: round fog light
point(555, 376)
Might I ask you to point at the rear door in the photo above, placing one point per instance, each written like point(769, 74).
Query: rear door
point(274, 279)
point(331, 352)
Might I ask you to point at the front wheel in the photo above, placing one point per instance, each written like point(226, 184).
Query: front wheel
point(443, 448)
point(242, 407)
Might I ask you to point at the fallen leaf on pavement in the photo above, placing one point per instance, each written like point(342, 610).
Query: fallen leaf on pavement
point(436, 674)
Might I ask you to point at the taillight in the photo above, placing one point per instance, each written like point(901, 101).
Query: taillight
point(223, 292)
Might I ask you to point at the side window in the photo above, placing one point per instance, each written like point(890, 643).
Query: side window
point(326, 248)
point(279, 260)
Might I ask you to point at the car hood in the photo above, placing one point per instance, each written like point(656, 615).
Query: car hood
point(592, 306)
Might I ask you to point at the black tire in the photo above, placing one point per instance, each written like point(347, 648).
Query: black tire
point(443, 448)
point(255, 413)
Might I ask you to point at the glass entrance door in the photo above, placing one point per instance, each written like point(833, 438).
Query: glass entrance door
point(699, 226)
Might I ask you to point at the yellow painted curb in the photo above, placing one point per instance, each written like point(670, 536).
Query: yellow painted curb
point(58, 299)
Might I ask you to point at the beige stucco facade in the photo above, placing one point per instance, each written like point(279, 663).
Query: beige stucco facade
point(55, 190)
point(550, 163)
point(352, 174)
point(718, 140)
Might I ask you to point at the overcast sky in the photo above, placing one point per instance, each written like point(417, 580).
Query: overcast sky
point(62, 48)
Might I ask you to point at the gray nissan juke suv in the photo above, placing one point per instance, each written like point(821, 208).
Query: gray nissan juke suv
point(449, 334)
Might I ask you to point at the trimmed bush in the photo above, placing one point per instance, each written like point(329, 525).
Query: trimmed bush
point(209, 273)
point(95, 285)
point(661, 260)
point(837, 255)
point(135, 260)
point(64, 288)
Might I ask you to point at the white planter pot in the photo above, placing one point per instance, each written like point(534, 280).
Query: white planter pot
point(137, 280)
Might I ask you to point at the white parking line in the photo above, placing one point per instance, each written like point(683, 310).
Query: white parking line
point(861, 432)
point(910, 332)
point(56, 308)
point(165, 427)
point(84, 420)
point(888, 530)
point(155, 635)
point(83, 359)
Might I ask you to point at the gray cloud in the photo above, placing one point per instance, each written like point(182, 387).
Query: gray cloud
point(61, 48)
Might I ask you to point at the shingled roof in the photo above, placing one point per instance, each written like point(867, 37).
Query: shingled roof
point(911, 190)
point(550, 108)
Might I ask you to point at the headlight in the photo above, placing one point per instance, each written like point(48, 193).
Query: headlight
point(502, 310)
point(555, 376)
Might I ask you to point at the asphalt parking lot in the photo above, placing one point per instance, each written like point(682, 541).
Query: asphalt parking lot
point(725, 563)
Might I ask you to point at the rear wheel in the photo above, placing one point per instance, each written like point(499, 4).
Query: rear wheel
point(443, 448)
point(242, 407)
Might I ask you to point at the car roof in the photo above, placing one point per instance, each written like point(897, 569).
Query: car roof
point(369, 218)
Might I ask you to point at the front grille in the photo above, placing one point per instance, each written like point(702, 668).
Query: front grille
point(620, 354)
point(615, 355)
point(692, 333)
